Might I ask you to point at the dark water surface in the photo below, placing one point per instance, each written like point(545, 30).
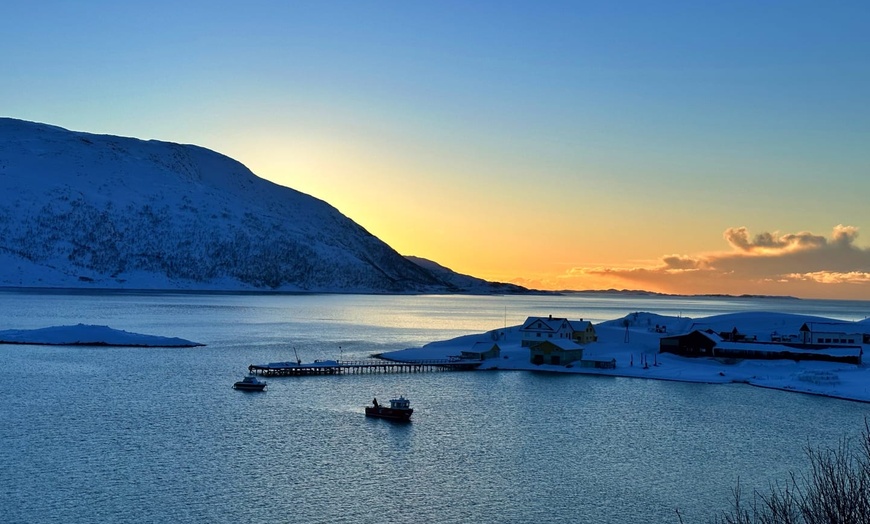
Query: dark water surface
point(92, 434)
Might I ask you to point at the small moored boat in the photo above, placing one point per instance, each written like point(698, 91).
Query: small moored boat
point(400, 409)
point(250, 383)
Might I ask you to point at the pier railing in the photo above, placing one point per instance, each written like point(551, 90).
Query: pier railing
point(339, 367)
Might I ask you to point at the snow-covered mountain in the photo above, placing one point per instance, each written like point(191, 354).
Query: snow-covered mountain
point(466, 282)
point(80, 210)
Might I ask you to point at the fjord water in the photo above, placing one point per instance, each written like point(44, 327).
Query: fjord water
point(97, 434)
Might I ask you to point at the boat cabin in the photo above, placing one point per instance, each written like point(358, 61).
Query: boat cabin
point(400, 403)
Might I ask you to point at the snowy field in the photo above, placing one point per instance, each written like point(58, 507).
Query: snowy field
point(636, 351)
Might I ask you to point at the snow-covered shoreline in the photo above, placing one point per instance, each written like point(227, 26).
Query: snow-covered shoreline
point(89, 335)
point(636, 352)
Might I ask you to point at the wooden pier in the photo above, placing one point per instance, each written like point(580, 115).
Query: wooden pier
point(342, 367)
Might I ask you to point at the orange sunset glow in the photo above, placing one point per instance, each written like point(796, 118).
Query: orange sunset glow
point(563, 146)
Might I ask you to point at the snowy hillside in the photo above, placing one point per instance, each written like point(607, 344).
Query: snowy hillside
point(97, 211)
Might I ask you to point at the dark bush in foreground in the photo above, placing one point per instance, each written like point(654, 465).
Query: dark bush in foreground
point(836, 490)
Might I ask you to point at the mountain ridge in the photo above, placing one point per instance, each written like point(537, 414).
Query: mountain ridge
point(105, 212)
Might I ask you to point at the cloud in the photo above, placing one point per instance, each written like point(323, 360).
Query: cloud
point(682, 262)
point(738, 237)
point(828, 277)
point(845, 235)
point(800, 264)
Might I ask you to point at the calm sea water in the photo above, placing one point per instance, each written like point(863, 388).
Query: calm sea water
point(91, 434)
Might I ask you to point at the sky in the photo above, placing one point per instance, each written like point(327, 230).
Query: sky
point(677, 147)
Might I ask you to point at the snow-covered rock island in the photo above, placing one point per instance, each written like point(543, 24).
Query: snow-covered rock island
point(89, 335)
point(799, 353)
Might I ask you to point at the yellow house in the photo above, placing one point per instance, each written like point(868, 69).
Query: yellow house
point(557, 352)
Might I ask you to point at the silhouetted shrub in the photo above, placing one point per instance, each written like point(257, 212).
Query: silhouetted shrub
point(835, 490)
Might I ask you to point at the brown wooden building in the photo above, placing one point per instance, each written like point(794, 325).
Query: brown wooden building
point(695, 344)
point(708, 344)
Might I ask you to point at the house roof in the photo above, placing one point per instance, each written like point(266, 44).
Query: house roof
point(483, 346)
point(542, 324)
point(561, 343)
point(845, 328)
point(553, 324)
point(711, 335)
point(766, 347)
point(845, 351)
point(579, 325)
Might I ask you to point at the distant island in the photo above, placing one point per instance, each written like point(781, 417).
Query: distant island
point(642, 292)
point(89, 335)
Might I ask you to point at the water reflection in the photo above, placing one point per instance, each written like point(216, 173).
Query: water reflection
point(139, 434)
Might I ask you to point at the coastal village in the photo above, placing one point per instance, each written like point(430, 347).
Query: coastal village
point(563, 342)
point(778, 350)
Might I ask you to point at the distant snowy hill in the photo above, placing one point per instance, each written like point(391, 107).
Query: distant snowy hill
point(468, 283)
point(96, 211)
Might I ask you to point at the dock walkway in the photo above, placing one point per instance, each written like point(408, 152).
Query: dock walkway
point(340, 367)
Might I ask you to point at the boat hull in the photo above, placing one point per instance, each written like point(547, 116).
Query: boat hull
point(249, 387)
point(403, 415)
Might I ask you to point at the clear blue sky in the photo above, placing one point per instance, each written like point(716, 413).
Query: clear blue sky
point(558, 144)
